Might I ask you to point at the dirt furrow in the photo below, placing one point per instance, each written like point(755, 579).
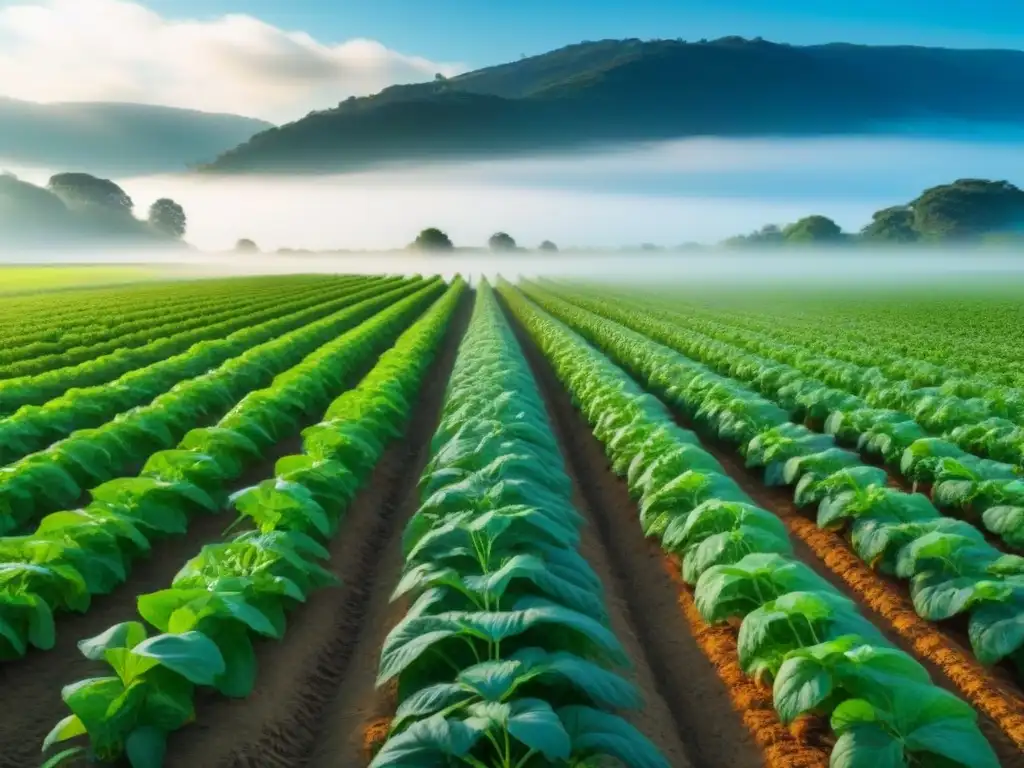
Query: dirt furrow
point(315, 690)
point(687, 712)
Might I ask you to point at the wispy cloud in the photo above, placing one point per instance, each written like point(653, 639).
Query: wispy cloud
point(113, 50)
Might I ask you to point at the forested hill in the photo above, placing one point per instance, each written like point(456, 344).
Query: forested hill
point(116, 138)
point(632, 90)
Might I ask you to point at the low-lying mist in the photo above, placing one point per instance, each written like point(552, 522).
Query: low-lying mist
point(694, 190)
point(778, 268)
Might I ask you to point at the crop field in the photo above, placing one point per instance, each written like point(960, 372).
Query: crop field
point(25, 279)
point(346, 521)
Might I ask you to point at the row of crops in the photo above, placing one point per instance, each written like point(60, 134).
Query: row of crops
point(951, 568)
point(267, 407)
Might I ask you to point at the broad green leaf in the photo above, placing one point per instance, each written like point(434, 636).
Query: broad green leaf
point(192, 655)
point(867, 746)
point(427, 743)
point(127, 634)
point(801, 685)
point(68, 728)
point(428, 701)
point(997, 630)
point(145, 747)
point(533, 723)
point(956, 740)
point(596, 733)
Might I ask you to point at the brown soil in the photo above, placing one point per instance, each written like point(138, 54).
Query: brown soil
point(316, 688)
point(943, 650)
point(687, 712)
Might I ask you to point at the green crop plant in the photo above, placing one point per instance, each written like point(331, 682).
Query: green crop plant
point(965, 575)
point(894, 421)
point(76, 554)
point(138, 373)
point(245, 586)
point(796, 630)
point(504, 659)
point(56, 477)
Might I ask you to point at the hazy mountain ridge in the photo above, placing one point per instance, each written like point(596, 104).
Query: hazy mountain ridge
point(630, 90)
point(116, 138)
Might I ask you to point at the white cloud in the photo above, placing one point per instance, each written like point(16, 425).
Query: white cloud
point(114, 50)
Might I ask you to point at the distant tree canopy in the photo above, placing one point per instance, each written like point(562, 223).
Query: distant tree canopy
point(246, 245)
point(77, 209)
point(547, 245)
point(769, 234)
point(24, 205)
point(819, 230)
point(813, 229)
point(891, 225)
point(501, 241)
point(968, 209)
point(80, 190)
point(167, 217)
point(432, 239)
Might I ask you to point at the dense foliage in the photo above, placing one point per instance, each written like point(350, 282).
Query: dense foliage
point(505, 657)
point(432, 239)
point(77, 209)
point(57, 476)
point(951, 569)
point(796, 630)
point(240, 589)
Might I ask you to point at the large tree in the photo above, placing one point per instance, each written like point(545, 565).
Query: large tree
point(549, 246)
point(813, 229)
point(28, 211)
point(167, 217)
point(968, 209)
point(246, 245)
point(501, 241)
point(432, 239)
point(891, 225)
point(80, 190)
point(769, 234)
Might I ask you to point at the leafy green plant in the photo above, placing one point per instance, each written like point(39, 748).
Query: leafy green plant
point(795, 629)
point(244, 586)
point(504, 658)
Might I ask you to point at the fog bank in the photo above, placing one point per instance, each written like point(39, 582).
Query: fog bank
point(670, 193)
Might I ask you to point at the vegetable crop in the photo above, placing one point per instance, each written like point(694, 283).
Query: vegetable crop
point(821, 656)
point(56, 477)
point(504, 658)
point(881, 418)
point(242, 588)
point(950, 567)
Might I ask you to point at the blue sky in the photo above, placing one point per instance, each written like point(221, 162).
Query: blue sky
point(480, 32)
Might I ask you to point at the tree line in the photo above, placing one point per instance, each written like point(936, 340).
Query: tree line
point(433, 239)
point(968, 210)
point(80, 208)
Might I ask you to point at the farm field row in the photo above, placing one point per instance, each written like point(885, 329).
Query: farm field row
point(369, 521)
point(19, 279)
